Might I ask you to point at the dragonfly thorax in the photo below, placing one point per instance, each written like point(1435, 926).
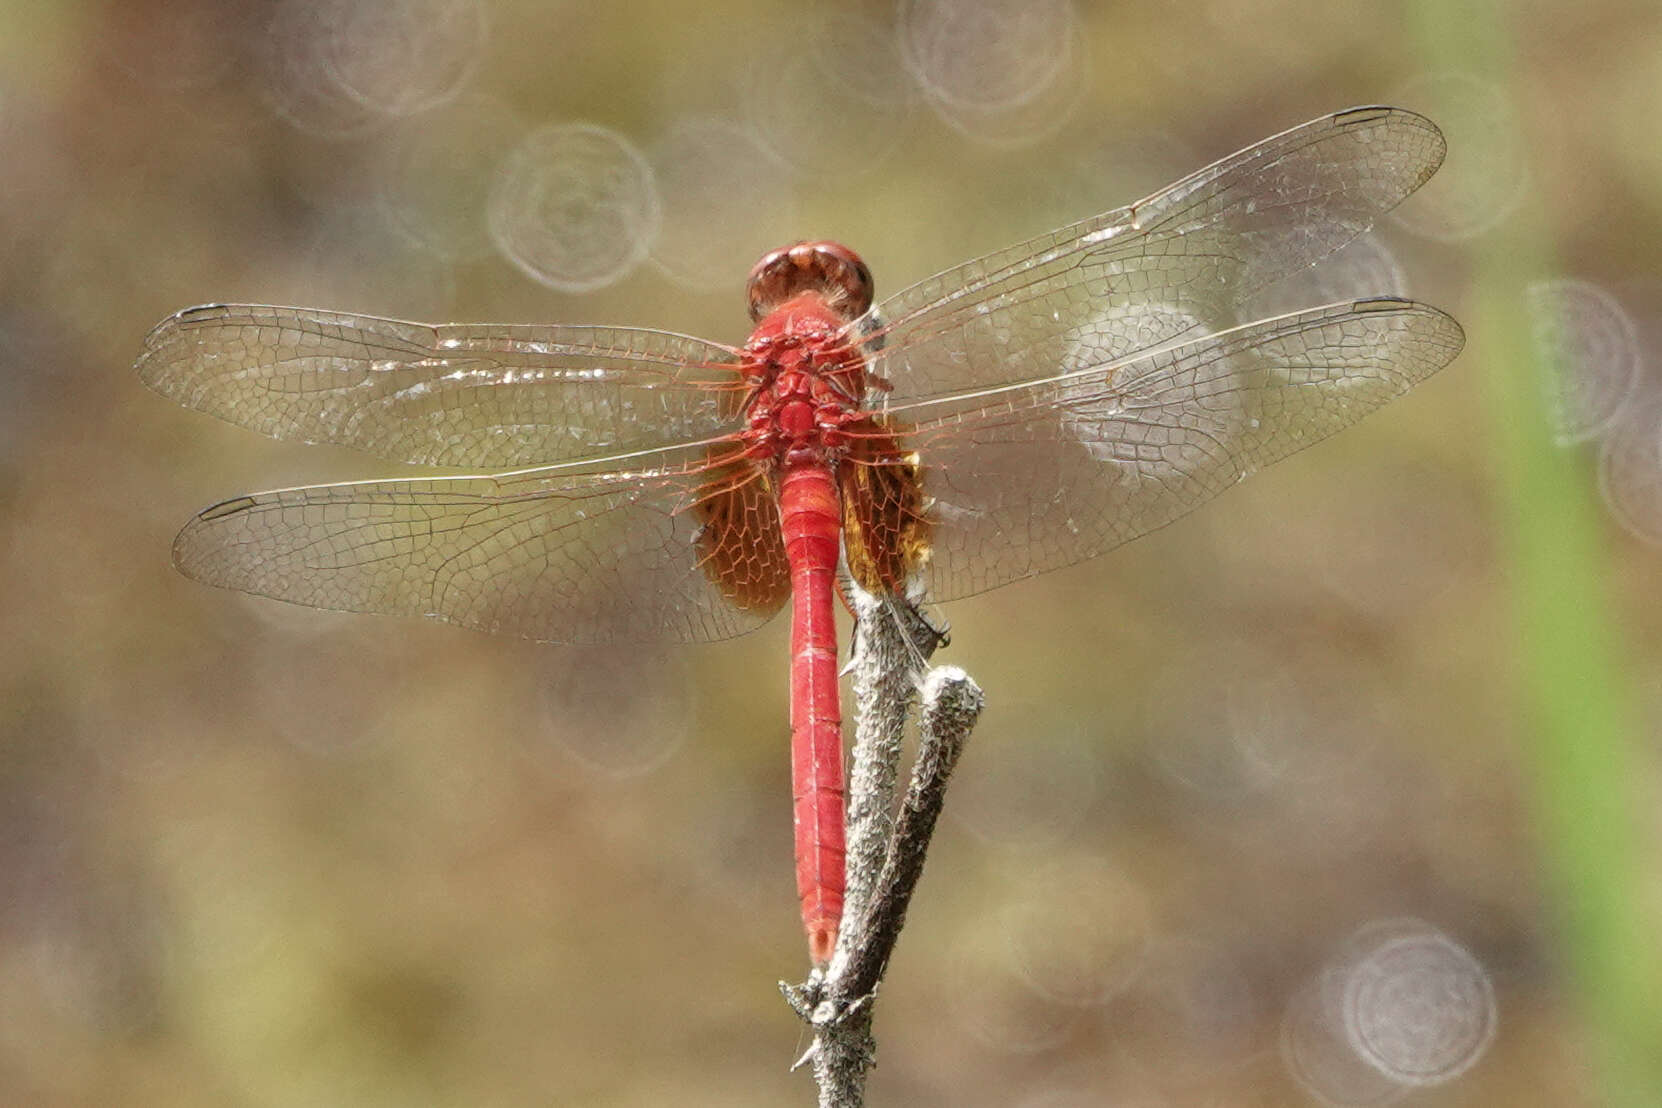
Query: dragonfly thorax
point(806, 381)
point(797, 413)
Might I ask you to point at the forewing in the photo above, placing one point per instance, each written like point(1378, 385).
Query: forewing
point(487, 395)
point(1025, 479)
point(1178, 264)
point(555, 555)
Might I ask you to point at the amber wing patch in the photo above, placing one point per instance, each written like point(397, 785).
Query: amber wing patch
point(885, 532)
point(740, 545)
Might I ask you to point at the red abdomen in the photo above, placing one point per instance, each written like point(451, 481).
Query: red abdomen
point(810, 516)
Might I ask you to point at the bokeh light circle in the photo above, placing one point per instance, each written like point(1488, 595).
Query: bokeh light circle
point(619, 712)
point(1483, 178)
point(1630, 470)
point(439, 175)
point(847, 106)
point(1590, 348)
point(979, 54)
point(993, 1001)
point(400, 57)
point(1400, 1006)
point(575, 206)
point(1003, 72)
point(1081, 933)
point(1419, 1008)
point(1363, 268)
point(717, 222)
point(338, 68)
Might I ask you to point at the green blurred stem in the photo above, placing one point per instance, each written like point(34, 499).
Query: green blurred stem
point(1575, 692)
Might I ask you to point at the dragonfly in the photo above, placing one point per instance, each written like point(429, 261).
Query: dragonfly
point(1012, 415)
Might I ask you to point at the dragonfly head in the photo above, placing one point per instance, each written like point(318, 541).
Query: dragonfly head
point(829, 268)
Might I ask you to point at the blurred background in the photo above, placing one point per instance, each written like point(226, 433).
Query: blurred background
point(1341, 791)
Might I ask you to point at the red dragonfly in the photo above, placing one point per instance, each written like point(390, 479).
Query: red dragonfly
point(1013, 415)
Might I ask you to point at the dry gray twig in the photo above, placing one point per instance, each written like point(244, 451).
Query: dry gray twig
point(893, 642)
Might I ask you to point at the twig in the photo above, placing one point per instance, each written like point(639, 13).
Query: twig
point(951, 705)
point(892, 645)
point(885, 859)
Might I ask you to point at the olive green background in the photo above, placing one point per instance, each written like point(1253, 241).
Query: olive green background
point(253, 855)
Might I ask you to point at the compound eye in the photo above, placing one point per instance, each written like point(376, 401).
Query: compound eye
point(844, 271)
point(829, 268)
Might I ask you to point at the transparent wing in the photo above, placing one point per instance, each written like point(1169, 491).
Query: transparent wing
point(1175, 265)
point(491, 395)
point(671, 552)
point(1028, 478)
